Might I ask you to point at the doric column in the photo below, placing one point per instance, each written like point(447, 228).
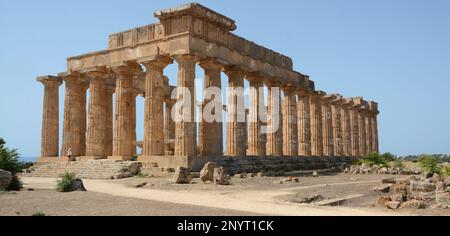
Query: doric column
point(327, 126)
point(255, 142)
point(212, 130)
point(316, 123)
point(355, 130)
point(236, 142)
point(109, 119)
point(362, 131)
point(185, 127)
point(169, 129)
point(368, 123)
point(346, 128)
point(274, 144)
point(304, 124)
point(95, 141)
point(290, 147)
point(83, 117)
point(74, 121)
point(123, 143)
point(154, 104)
point(336, 112)
point(50, 118)
point(374, 126)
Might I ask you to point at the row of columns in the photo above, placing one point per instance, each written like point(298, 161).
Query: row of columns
point(312, 123)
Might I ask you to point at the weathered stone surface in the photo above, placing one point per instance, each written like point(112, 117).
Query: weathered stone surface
point(382, 188)
point(421, 186)
point(220, 177)
point(315, 174)
point(182, 176)
point(5, 179)
point(383, 200)
point(207, 172)
point(388, 181)
point(77, 185)
point(414, 204)
point(393, 204)
point(308, 199)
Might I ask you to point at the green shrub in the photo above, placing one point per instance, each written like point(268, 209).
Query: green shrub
point(15, 184)
point(38, 213)
point(398, 164)
point(446, 170)
point(429, 164)
point(374, 159)
point(9, 161)
point(388, 156)
point(65, 183)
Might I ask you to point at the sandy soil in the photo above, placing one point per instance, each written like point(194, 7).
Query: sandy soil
point(250, 196)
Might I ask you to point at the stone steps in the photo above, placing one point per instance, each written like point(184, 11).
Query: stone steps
point(93, 169)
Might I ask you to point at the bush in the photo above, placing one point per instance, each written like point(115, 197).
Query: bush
point(374, 159)
point(15, 184)
point(38, 213)
point(398, 164)
point(388, 156)
point(65, 183)
point(429, 164)
point(446, 170)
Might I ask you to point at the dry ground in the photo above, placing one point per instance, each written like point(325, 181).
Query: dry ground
point(249, 196)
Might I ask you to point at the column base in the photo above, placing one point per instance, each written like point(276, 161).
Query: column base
point(48, 159)
point(120, 158)
point(89, 158)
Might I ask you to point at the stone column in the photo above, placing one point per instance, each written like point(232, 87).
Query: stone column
point(212, 131)
point(290, 147)
point(95, 141)
point(109, 119)
point(74, 121)
point(368, 123)
point(235, 113)
point(362, 132)
point(185, 131)
point(355, 130)
point(346, 128)
point(83, 117)
point(256, 145)
point(274, 144)
point(304, 124)
point(169, 129)
point(336, 112)
point(123, 143)
point(316, 123)
point(374, 126)
point(327, 126)
point(154, 103)
point(50, 119)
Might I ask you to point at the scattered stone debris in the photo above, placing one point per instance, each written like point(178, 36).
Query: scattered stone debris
point(207, 172)
point(388, 181)
point(386, 188)
point(392, 204)
point(308, 199)
point(383, 200)
point(182, 176)
point(376, 169)
point(414, 204)
point(220, 177)
point(315, 174)
point(242, 175)
point(77, 185)
point(140, 185)
point(253, 175)
point(260, 174)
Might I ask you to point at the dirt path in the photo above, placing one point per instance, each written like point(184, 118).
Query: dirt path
point(259, 202)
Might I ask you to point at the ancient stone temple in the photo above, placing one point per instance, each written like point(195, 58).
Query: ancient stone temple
point(302, 121)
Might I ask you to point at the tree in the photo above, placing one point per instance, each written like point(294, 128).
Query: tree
point(9, 161)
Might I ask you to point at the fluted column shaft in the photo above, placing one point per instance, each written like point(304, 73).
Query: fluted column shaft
point(375, 132)
point(316, 125)
point(355, 131)
point(50, 116)
point(362, 133)
point(109, 120)
point(304, 124)
point(169, 129)
point(336, 111)
point(74, 121)
point(368, 122)
point(274, 142)
point(185, 131)
point(327, 127)
point(290, 147)
point(211, 136)
point(346, 130)
point(123, 118)
point(153, 144)
point(235, 113)
point(95, 141)
point(255, 140)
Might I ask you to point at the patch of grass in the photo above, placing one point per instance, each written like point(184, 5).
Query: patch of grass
point(446, 170)
point(65, 183)
point(38, 213)
point(397, 164)
point(373, 159)
point(142, 175)
point(429, 164)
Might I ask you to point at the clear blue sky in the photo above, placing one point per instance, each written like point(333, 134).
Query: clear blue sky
point(394, 52)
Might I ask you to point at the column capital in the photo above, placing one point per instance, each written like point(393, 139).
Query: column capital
point(127, 69)
point(234, 70)
point(327, 98)
point(338, 100)
point(96, 73)
point(159, 61)
point(289, 87)
point(211, 64)
point(347, 103)
point(302, 92)
point(271, 82)
point(185, 58)
point(50, 80)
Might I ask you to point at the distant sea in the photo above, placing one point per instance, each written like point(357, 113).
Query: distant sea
point(28, 159)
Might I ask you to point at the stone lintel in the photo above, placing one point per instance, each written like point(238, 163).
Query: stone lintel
point(198, 11)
